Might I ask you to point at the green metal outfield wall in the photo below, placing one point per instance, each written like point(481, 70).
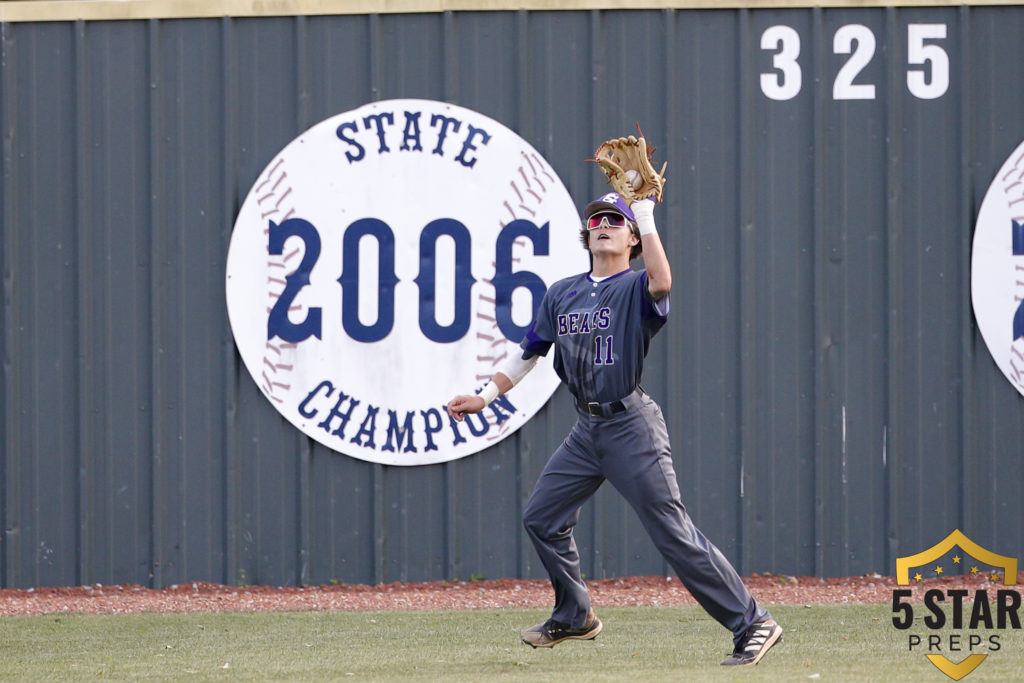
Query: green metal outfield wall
point(831, 401)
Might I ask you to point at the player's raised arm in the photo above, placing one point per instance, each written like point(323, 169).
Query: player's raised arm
point(511, 372)
point(627, 164)
point(659, 272)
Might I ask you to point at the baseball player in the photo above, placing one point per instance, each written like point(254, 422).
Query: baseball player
point(601, 324)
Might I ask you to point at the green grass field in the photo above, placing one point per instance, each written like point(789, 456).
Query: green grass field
point(833, 643)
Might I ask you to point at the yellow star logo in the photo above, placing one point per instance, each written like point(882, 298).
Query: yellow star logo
point(948, 545)
point(927, 562)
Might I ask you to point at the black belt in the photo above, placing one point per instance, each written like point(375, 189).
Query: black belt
point(612, 408)
point(601, 409)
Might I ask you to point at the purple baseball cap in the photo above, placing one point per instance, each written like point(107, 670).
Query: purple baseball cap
point(612, 201)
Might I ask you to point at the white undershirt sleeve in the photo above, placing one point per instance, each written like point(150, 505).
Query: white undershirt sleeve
point(516, 368)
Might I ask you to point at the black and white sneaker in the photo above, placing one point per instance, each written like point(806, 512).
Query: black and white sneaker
point(552, 632)
point(755, 644)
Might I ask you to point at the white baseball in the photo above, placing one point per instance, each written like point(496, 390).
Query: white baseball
point(635, 181)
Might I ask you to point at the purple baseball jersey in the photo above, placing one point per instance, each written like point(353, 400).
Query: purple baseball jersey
point(601, 332)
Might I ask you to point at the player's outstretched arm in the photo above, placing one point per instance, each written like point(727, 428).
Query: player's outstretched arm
point(512, 370)
point(462, 405)
point(659, 272)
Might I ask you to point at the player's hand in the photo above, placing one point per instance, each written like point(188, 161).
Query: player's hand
point(460, 406)
point(642, 208)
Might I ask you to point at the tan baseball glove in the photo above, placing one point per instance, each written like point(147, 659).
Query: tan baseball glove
point(627, 163)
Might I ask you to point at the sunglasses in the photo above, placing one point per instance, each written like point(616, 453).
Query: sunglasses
point(609, 218)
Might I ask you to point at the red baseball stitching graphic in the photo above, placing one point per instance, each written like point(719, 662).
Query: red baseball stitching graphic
point(529, 192)
point(1017, 181)
point(278, 356)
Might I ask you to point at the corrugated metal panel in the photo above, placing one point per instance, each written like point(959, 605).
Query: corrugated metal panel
point(831, 403)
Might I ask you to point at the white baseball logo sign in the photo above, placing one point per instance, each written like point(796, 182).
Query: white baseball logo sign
point(997, 269)
point(389, 258)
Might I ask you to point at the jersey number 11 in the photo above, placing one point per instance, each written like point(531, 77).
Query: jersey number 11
point(603, 350)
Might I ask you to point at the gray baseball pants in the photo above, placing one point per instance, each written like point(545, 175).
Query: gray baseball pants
point(631, 450)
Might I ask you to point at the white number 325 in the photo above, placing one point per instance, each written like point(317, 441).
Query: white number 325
point(927, 62)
